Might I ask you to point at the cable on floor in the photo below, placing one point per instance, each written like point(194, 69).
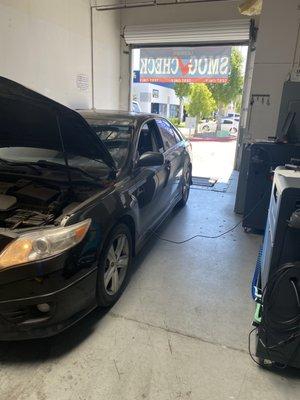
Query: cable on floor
point(199, 235)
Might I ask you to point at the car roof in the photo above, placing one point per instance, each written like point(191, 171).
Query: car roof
point(134, 116)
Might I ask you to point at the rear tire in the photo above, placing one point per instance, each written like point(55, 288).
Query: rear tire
point(186, 185)
point(114, 266)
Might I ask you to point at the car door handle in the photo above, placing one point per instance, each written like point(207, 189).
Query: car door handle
point(168, 170)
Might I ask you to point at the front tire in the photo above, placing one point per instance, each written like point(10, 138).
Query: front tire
point(114, 266)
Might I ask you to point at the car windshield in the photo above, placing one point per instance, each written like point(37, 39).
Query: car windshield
point(20, 156)
point(116, 134)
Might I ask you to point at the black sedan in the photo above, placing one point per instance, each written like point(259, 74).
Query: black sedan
point(80, 193)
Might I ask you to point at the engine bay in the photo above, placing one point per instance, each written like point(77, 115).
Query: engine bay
point(27, 203)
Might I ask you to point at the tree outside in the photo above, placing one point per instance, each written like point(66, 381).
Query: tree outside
point(201, 103)
point(182, 91)
point(225, 93)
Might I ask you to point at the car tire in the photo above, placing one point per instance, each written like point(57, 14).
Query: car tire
point(206, 128)
point(233, 130)
point(114, 266)
point(186, 185)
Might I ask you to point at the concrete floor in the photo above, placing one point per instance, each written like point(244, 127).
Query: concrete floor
point(178, 332)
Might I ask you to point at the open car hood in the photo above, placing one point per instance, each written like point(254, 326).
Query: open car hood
point(29, 119)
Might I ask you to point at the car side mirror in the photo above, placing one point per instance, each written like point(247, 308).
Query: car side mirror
point(151, 159)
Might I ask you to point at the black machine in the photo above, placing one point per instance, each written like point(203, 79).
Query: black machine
point(260, 159)
point(259, 162)
point(277, 279)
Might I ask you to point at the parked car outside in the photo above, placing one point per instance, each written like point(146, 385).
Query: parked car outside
point(80, 193)
point(230, 125)
point(233, 115)
point(207, 126)
point(227, 124)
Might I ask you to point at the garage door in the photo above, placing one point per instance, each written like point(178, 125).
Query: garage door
point(235, 31)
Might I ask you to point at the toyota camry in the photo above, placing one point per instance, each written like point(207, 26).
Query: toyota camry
point(80, 193)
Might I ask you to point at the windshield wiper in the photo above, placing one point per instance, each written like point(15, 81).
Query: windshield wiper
point(54, 165)
point(20, 164)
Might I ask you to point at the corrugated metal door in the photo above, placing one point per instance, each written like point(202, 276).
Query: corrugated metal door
point(214, 32)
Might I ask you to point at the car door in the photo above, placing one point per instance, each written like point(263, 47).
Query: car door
point(149, 182)
point(174, 158)
point(226, 125)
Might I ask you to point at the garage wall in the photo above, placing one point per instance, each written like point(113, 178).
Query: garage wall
point(46, 46)
point(276, 44)
point(107, 44)
point(220, 10)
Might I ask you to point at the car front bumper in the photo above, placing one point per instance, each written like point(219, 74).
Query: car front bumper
point(21, 319)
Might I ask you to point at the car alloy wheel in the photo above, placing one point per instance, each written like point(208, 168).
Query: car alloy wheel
point(116, 264)
point(186, 184)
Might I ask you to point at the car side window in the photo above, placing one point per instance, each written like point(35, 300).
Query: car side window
point(150, 139)
point(169, 135)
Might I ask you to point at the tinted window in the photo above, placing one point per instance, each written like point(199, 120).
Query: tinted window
point(116, 135)
point(227, 122)
point(150, 139)
point(169, 135)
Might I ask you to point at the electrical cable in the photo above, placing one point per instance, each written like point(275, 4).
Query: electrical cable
point(213, 236)
point(228, 230)
point(269, 298)
point(271, 327)
point(249, 348)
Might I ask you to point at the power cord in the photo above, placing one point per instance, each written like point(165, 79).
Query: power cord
point(272, 327)
point(213, 236)
point(270, 159)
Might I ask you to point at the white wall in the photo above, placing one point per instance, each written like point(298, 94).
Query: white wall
point(220, 10)
point(276, 45)
point(165, 95)
point(106, 59)
point(45, 44)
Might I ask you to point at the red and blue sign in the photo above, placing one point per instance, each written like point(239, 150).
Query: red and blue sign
point(185, 64)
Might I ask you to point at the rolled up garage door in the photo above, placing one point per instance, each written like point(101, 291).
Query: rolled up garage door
point(235, 31)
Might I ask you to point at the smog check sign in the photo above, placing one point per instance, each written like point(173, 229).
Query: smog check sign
point(185, 64)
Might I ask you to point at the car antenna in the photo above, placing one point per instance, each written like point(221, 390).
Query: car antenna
point(63, 150)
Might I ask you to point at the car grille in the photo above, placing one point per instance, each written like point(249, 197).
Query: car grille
point(17, 315)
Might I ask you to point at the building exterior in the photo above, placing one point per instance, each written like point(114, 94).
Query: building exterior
point(156, 98)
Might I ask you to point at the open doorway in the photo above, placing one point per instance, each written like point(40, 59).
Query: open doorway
point(199, 89)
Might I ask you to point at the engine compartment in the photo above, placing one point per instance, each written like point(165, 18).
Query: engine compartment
point(28, 203)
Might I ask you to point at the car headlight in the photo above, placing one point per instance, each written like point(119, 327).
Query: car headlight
point(38, 245)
